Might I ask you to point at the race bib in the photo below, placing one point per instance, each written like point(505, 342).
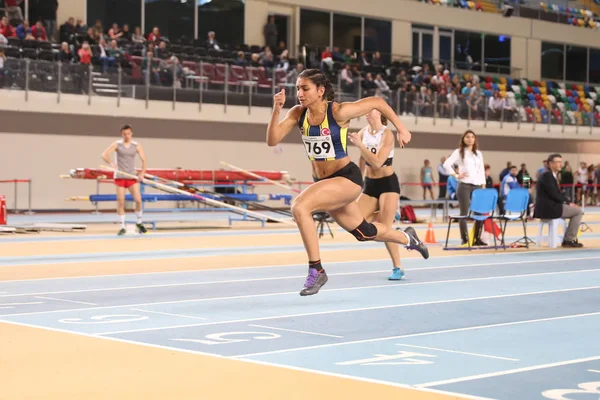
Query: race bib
point(319, 147)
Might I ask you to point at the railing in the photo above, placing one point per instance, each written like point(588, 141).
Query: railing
point(225, 84)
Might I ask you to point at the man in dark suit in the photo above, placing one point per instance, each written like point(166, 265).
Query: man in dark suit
point(551, 204)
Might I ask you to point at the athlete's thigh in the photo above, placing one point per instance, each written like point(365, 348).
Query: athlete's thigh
point(368, 205)
point(120, 193)
point(348, 216)
point(135, 192)
point(328, 194)
point(388, 207)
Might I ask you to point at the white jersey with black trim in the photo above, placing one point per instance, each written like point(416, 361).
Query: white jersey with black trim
point(373, 143)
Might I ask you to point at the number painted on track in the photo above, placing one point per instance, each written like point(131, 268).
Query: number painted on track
point(105, 319)
point(219, 338)
point(403, 357)
point(584, 388)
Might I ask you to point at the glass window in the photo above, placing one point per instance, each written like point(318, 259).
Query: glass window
point(445, 49)
point(347, 32)
point(174, 18)
point(594, 66)
point(576, 64)
point(378, 37)
point(552, 61)
point(497, 54)
point(314, 28)
point(225, 19)
point(467, 50)
point(111, 11)
point(416, 46)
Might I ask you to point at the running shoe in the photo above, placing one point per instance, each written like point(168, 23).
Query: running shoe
point(314, 281)
point(415, 243)
point(141, 228)
point(396, 275)
point(122, 232)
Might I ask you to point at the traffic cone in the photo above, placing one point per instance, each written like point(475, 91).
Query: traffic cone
point(430, 235)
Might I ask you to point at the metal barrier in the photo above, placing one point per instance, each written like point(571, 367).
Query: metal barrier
point(16, 194)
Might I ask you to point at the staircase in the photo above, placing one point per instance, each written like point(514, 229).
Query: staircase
point(105, 84)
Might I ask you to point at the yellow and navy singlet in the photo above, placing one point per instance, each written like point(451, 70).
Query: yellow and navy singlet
point(325, 142)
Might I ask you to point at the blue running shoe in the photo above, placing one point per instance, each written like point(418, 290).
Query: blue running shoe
point(396, 275)
point(314, 281)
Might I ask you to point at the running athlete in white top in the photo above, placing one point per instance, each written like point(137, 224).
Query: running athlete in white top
point(381, 192)
point(126, 150)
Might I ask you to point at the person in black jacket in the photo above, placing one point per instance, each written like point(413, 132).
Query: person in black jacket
point(551, 203)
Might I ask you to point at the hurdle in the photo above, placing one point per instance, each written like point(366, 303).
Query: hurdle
point(261, 217)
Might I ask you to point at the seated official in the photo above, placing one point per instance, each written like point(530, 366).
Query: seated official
point(551, 204)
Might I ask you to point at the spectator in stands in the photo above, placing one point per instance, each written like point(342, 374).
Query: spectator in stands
point(369, 85)
point(337, 55)
point(3, 40)
point(348, 56)
point(23, 29)
point(137, 36)
point(91, 36)
point(80, 27)
point(39, 32)
point(292, 76)
point(377, 61)
point(442, 103)
point(211, 42)
point(115, 32)
point(551, 204)
point(411, 100)
point(255, 60)
point(454, 105)
point(424, 102)
point(126, 33)
point(47, 11)
point(270, 32)
point(418, 78)
point(282, 47)
point(85, 53)
point(474, 103)
point(66, 30)
point(347, 79)
point(65, 55)
point(363, 61)
point(241, 59)
point(326, 58)
point(149, 68)
point(6, 29)
point(495, 106)
point(160, 52)
point(383, 89)
point(114, 52)
point(267, 59)
point(13, 11)
point(284, 63)
point(154, 36)
point(106, 60)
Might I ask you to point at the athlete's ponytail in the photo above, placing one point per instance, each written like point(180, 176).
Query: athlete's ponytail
point(319, 79)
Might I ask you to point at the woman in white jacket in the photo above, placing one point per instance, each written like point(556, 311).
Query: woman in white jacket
point(470, 176)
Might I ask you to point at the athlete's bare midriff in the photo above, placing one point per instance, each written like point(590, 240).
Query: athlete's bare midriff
point(323, 169)
point(379, 173)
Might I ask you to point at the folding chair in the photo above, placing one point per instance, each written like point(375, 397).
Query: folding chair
point(515, 209)
point(483, 206)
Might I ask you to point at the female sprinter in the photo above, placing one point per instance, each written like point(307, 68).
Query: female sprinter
point(379, 200)
point(338, 181)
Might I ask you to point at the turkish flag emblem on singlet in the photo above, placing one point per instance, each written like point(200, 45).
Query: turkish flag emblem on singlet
point(325, 132)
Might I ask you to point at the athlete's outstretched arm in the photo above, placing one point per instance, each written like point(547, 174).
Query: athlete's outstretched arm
point(349, 110)
point(276, 130)
point(106, 154)
point(376, 161)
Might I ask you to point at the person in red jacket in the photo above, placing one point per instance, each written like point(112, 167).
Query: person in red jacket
point(39, 32)
point(6, 30)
